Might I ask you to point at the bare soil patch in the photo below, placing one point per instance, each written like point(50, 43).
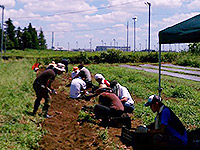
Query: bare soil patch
point(64, 132)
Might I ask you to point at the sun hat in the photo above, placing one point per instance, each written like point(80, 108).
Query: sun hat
point(98, 76)
point(152, 99)
point(60, 67)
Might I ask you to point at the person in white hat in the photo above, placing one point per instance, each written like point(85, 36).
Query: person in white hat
point(43, 89)
point(101, 80)
point(167, 128)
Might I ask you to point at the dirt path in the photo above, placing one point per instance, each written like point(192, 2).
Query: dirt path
point(65, 133)
point(178, 75)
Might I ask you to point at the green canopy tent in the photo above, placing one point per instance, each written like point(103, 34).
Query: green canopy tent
point(187, 31)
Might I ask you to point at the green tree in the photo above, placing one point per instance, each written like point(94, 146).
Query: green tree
point(194, 48)
point(42, 41)
point(19, 38)
point(26, 38)
point(10, 32)
point(34, 40)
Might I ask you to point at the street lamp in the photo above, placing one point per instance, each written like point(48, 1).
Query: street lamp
point(102, 42)
point(114, 42)
point(149, 4)
point(2, 6)
point(68, 45)
point(134, 20)
point(77, 44)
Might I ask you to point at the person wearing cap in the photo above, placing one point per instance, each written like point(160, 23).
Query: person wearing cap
point(101, 80)
point(43, 89)
point(124, 95)
point(109, 105)
point(75, 72)
point(88, 79)
point(78, 86)
point(167, 128)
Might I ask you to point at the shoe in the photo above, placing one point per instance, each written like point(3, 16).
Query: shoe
point(48, 116)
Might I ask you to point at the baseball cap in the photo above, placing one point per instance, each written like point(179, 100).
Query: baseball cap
point(152, 99)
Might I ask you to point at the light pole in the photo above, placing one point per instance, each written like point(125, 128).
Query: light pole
point(90, 44)
point(127, 37)
point(2, 6)
point(134, 20)
point(114, 42)
point(149, 4)
point(68, 45)
point(102, 42)
point(77, 44)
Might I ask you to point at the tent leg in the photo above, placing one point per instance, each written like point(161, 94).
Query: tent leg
point(159, 84)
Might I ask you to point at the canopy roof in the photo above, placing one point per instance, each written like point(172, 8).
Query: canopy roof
point(187, 31)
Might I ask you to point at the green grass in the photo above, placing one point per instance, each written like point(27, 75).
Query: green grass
point(181, 95)
point(17, 131)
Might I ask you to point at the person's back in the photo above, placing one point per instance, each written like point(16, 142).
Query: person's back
point(44, 77)
point(174, 126)
point(77, 85)
point(110, 100)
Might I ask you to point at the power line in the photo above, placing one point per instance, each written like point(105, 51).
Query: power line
point(80, 11)
point(83, 30)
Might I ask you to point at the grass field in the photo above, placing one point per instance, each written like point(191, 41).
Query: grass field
point(20, 131)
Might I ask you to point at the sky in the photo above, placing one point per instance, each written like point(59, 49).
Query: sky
point(86, 24)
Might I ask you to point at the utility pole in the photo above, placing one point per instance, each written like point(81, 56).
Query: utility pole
point(90, 44)
point(114, 42)
point(2, 6)
point(134, 37)
point(68, 45)
point(127, 37)
point(52, 40)
point(149, 4)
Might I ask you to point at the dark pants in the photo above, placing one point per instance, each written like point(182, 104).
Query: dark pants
point(41, 93)
point(104, 112)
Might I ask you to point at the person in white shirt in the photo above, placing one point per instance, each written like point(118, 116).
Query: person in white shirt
point(124, 95)
point(78, 87)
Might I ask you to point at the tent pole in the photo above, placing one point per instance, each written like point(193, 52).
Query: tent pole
point(159, 84)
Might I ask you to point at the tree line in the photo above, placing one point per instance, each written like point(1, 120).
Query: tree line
point(22, 38)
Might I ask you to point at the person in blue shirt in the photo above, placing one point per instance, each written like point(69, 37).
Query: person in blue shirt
point(167, 129)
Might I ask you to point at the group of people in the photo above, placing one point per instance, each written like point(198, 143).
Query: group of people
point(114, 100)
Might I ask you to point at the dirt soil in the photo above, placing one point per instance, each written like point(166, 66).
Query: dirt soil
point(65, 132)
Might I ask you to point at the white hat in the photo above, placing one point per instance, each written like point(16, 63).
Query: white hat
point(98, 76)
point(152, 99)
point(60, 67)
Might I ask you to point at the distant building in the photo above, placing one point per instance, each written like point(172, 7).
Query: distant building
point(82, 50)
point(105, 48)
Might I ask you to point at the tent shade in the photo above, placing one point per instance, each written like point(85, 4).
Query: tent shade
point(187, 31)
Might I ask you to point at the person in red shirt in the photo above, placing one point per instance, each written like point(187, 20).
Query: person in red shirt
point(109, 105)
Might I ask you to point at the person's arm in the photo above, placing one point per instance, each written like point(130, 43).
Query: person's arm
point(161, 130)
point(124, 99)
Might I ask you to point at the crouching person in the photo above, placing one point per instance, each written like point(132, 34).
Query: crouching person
point(78, 86)
point(109, 106)
point(43, 89)
point(124, 95)
point(167, 130)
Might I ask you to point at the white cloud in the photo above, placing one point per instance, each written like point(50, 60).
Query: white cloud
point(194, 4)
point(8, 3)
point(63, 26)
point(61, 6)
point(175, 19)
point(20, 14)
point(109, 17)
